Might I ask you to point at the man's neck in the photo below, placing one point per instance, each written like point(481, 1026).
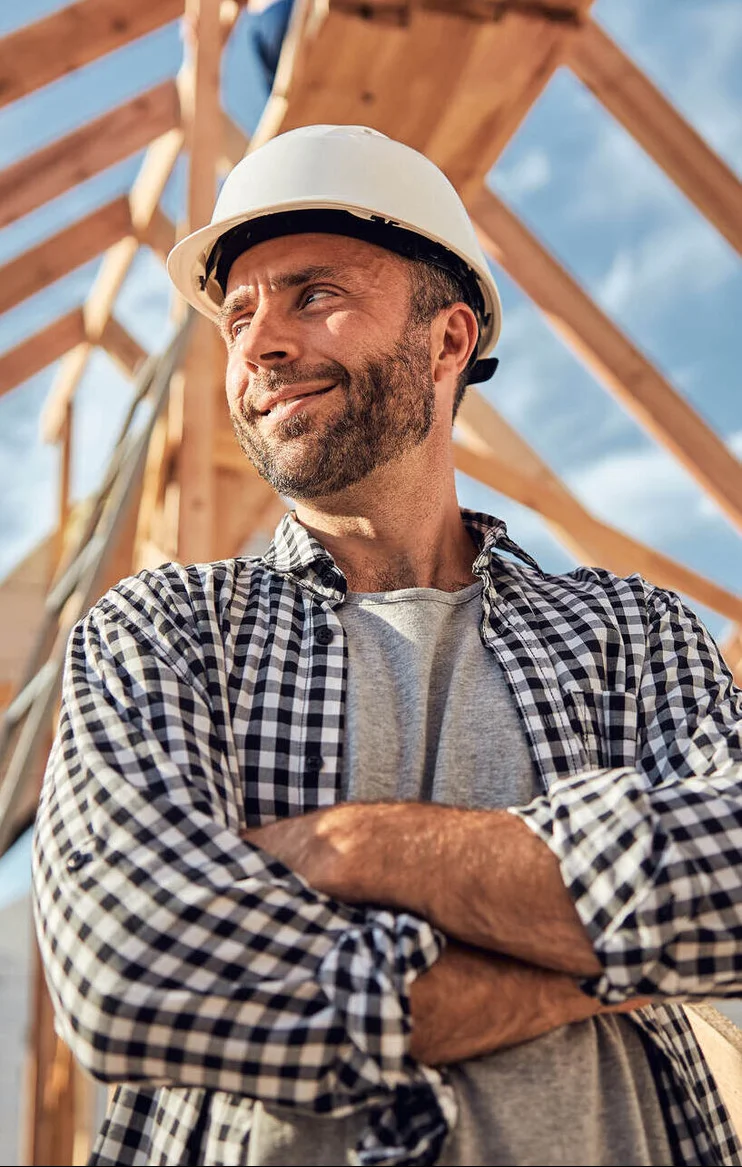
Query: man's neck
point(384, 538)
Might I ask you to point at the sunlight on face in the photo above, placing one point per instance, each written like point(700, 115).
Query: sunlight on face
point(327, 378)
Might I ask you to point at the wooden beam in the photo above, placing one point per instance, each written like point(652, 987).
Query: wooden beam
point(617, 363)
point(497, 455)
point(150, 224)
point(42, 349)
point(62, 253)
point(96, 314)
point(510, 65)
point(595, 543)
point(98, 144)
point(235, 143)
point(455, 88)
point(203, 366)
point(159, 234)
point(731, 650)
point(125, 350)
point(650, 118)
point(74, 36)
point(157, 166)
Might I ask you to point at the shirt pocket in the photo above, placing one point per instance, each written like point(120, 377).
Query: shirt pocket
point(606, 722)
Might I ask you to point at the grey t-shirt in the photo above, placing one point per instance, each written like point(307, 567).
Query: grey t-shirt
point(429, 717)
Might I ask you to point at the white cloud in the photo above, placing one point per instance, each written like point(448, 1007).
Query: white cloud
point(529, 174)
point(618, 179)
point(644, 491)
point(687, 254)
point(734, 441)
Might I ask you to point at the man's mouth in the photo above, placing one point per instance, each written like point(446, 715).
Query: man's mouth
point(291, 400)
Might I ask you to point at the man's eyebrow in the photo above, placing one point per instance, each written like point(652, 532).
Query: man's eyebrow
point(239, 300)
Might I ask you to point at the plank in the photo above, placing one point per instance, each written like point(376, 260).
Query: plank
point(651, 119)
point(62, 253)
point(203, 365)
point(590, 540)
point(731, 650)
point(508, 69)
point(154, 173)
point(721, 1042)
point(40, 53)
point(151, 226)
point(159, 234)
point(98, 144)
point(42, 349)
point(486, 433)
point(454, 87)
point(610, 355)
point(125, 350)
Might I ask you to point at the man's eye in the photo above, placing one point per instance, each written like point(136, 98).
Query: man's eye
point(238, 326)
point(315, 294)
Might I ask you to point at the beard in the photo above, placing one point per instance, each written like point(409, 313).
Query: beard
point(389, 405)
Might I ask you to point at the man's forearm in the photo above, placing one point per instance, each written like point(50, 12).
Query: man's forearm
point(481, 876)
point(472, 1003)
point(485, 879)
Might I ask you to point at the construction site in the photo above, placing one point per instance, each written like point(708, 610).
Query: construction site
point(120, 450)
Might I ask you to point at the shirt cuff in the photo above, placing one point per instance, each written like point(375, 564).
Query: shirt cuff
point(367, 976)
point(602, 829)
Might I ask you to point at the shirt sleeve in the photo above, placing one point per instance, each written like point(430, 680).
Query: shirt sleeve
point(177, 953)
point(652, 855)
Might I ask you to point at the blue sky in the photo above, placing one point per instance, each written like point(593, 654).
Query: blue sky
point(574, 176)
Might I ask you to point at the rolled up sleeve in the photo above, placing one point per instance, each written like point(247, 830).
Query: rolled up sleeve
point(652, 854)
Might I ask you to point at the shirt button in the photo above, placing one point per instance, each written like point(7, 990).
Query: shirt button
point(78, 859)
point(327, 579)
point(324, 635)
point(314, 763)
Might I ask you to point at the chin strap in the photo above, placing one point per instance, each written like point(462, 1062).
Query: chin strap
point(482, 370)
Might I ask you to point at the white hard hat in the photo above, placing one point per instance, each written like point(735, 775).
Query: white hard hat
point(346, 180)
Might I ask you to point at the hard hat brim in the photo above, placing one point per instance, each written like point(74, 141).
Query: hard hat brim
point(187, 262)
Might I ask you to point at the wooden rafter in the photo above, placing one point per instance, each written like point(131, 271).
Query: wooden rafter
point(100, 327)
point(618, 364)
point(62, 253)
point(98, 144)
point(498, 456)
point(74, 36)
point(42, 349)
point(731, 648)
point(473, 81)
point(650, 118)
point(510, 65)
point(124, 349)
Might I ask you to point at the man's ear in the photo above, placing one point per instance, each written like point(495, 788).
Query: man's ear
point(454, 335)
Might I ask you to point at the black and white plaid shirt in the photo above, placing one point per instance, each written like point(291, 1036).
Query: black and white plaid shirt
point(200, 973)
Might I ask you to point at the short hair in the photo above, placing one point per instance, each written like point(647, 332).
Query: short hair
point(433, 288)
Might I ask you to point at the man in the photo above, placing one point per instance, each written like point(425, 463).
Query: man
point(379, 846)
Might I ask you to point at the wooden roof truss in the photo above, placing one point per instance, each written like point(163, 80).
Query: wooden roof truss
point(453, 78)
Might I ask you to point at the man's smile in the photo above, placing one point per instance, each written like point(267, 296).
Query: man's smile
point(291, 399)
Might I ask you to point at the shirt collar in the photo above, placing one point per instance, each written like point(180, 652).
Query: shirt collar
point(295, 553)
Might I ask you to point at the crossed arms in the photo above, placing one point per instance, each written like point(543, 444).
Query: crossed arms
point(182, 954)
point(486, 881)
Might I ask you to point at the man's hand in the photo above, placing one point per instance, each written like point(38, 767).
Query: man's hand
point(472, 1003)
point(481, 876)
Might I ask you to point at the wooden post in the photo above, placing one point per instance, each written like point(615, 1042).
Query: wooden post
point(196, 471)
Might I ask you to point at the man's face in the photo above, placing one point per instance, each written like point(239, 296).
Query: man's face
point(326, 377)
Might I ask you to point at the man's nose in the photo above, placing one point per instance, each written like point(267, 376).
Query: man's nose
point(270, 339)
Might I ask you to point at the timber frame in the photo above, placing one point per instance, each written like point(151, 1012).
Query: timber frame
point(476, 67)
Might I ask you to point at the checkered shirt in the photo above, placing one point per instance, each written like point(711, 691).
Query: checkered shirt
point(199, 973)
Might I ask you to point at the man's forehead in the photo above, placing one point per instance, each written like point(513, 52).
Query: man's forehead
point(321, 255)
